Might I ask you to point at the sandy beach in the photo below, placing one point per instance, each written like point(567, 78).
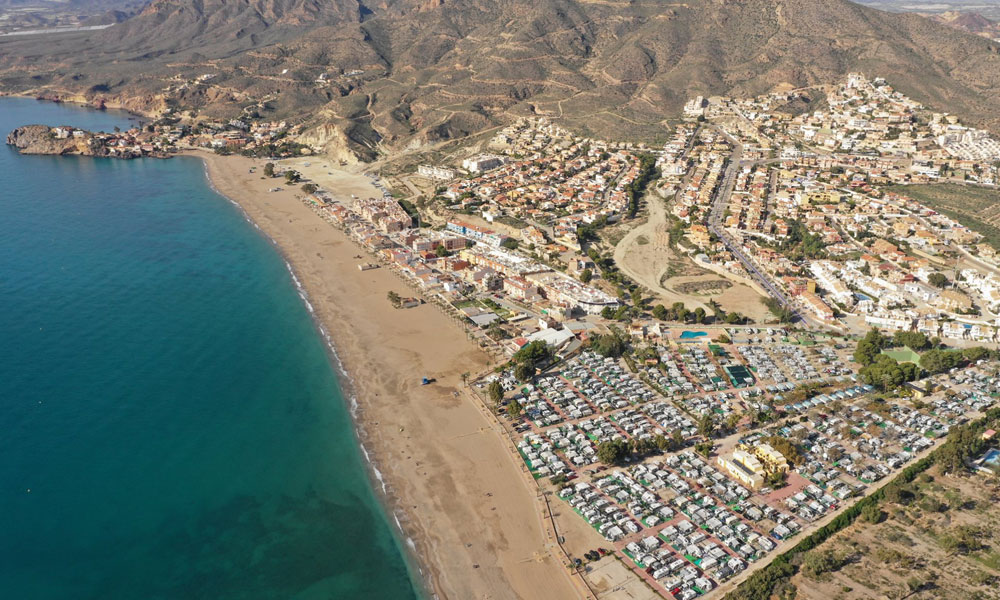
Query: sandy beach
point(475, 522)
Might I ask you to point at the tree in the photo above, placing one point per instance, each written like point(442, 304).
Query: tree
point(888, 374)
point(820, 562)
point(870, 346)
point(677, 439)
point(510, 244)
point(732, 419)
point(872, 513)
point(292, 176)
point(699, 315)
point(897, 493)
point(514, 409)
point(642, 446)
point(975, 354)
point(440, 251)
point(776, 479)
point(394, 299)
point(612, 451)
point(786, 448)
point(964, 444)
point(611, 345)
point(782, 313)
point(963, 539)
point(309, 188)
point(680, 311)
point(938, 280)
point(706, 426)
point(704, 448)
point(586, 275)
point(534, 353)
point(495, 390)
point(496, 331)
point(524, 372)
point(865, 352)
point(660, 312)
point(939, 361)
point(913, 340)
point(735, 318)
point(875, 337)
point(269, 169)
point(914, 584)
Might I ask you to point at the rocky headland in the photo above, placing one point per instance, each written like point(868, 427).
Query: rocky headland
point(64, 140)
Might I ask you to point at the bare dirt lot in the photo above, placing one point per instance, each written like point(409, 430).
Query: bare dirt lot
point(644, 254)
point(941, 543)
point(612, 580)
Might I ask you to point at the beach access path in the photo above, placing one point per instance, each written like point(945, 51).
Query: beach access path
point(450, 479)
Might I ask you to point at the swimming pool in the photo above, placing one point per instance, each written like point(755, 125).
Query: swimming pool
point(689, 335)
point(992, 458)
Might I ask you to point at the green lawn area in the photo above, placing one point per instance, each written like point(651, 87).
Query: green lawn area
point(465, 304)
point(500, 311)
point(903, 355)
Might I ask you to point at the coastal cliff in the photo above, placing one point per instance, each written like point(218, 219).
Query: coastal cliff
point(42, 139)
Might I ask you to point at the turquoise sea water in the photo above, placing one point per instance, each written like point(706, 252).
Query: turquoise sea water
point(165, 396)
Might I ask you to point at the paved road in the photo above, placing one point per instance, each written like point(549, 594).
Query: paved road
point(719, 204)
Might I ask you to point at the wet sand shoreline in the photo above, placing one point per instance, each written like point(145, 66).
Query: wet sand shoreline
point(471, 521)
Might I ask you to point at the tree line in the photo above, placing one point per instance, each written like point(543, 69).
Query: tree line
point(886, 373)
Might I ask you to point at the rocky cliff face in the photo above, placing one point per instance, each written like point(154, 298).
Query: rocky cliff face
point(42, 139)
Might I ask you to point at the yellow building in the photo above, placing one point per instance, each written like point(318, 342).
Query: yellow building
point(744, 468)
point(773, 461)
point(750, 466)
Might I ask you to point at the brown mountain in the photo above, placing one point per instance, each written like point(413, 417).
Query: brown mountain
point(971, 22)
point(441, 69)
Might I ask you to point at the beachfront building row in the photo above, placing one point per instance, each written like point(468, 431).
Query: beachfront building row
point(474, 260)
point(385, 213)
point(475, 232)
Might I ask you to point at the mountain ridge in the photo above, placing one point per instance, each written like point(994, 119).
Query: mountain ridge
point(443, 69)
